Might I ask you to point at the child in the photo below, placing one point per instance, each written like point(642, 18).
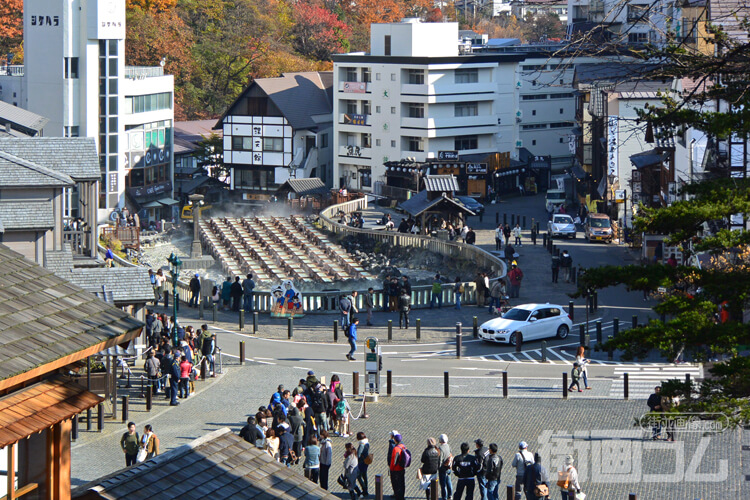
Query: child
point(575, 374)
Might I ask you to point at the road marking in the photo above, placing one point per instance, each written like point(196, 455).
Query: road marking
point(300, 368)
point(532, 359)
point(256, 360)
point(552, 351)
point(497, 357)
point(417, 359)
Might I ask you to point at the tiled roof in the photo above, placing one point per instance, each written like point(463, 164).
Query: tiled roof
point(26, 215)
point(303, 187)
point(74, 156)
point(16, 171)
point(128, 284)
point(44, 318)
point(440, 183)
point(21, 118)
point(59, 261)
point(217, 465)
point(419, 203)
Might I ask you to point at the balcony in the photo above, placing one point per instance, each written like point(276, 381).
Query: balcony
point(143, 72)
point(355, 87)
point(15, 70)
point(354, 119)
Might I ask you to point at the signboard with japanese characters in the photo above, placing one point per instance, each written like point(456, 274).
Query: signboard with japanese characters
point(476, 168)
point(354, 119)
point(447, 155)
point(356, 87)
point(612, 146)
point(106, 20)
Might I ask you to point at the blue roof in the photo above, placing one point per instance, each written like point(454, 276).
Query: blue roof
point(503, 42)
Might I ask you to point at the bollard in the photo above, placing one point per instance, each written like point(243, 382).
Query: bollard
point(434, 489)
point(100, 417)
point(544, 351)
point(533, 236)
point(632, 496)
point(458, 340)
point(149, 399)
point(204, 368)
point(242, 319)
point(518, 220)
point(505, 218)
point(290, 328)
point(200, 309)
point(242, 352)
point(475, 331)
point(598, 329)
point(335, 330)
point(214, 312)
point(688, 386)
point(596, 300)
point(565, 385)
point(355, 383)
point(519, 341)
point(481, 215)
point(615, 326)
point(255, 322)
point(497, 218)
point(523, 225)
point(625, 388)
point(512, 220)
point(635, 321)
point(389, 382)
point(378, 487)
point(581, 333)
point(587, 344)
point(609, 351)
point(590, 302)
point(89, 421)
point(74, 429)
point(509, 492)
point(124, 409)
point(390, 330)
point(505, 385)
point(419, 328)
point(446, 390)
point(571, 310)
point(544, 240)
point(573, 274)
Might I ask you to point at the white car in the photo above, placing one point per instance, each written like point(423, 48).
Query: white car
point(561, 225)
point(533, 321)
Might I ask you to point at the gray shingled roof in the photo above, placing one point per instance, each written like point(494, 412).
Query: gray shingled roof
point(16, 171)
point(59, 261)
point(16, 215)
point(439, 183)
point(304, 187)
point(130, 285)
point(21, 118)
point(217, 465)
point(44, 318)
point(419, 203)
point(72, 156)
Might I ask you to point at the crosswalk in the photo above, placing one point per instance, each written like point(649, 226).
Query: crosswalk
point(643, 379)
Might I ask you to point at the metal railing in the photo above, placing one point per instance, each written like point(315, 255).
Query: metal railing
point(143, 72)
point(12, 70)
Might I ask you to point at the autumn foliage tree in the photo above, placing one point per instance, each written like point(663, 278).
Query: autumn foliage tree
point(11, 25)
point(317, 32)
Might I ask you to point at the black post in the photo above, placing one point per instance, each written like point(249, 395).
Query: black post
point(544, 351)
point(390, 330)
point(446, 390)
point(572, 310)
point(242, 352)
point(598, 330)
point(389, 382)
point(610, 354)
point(475, 331)
point(497, 218)
point(688, 386)
point(596, 300)
point(124, 410)
point(335, 330)
point(615, 327)
point(255, 322)
point(581, 333)
point(100, 417)
point(434, 489)
point(290, 328)
point(544, 240)
point(242, 319)
point(625, 388)
point(635, 321)
point(509, 492)
point(505, 218)
point(481, 215)
point(74, 430)
point(419, 328)
point(204, 368)
point(378, 487)
point(519, 341)
point(523, 226)
point(355, 383)
point(565, 385)
point(214, 313)
point(512, 220)
point(458, 340)
point(149, 399)
point(505, 385)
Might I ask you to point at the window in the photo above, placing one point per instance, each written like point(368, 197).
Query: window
point(535, 126)
point(415, 144)
point(366, 140)
point(393, 144)
point(533, 97)
point(637, 38)
point(113, 47)
point(377, 142)
point(71, 131)
point(150, 102)
point(562, 81)
point(466, 108)
point(273, 144)
point(351, 74)
point(366, 110)
point(466, 142)
point(366, 75)
point(638, 13)
point(393, 110)
point(393, 77)
point(323, 140)
point(561, 140)
point(377, 76)
point(71, 67)
point(467, 75)
point(561, 125)
point(387, 45)
point(533, 67)
point(416, 110)
point(351, 107)
point(564, 95)
point(377, 109)
point(533, 112)
point(562, 110)
point(533, 142)
point(240, 143)
point(416, 77)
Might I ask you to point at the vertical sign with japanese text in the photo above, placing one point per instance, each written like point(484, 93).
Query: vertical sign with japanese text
point(612, 147)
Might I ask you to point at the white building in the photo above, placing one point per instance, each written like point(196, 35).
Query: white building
point(523, 8)
point(75, 75)
point(276, 129)
point(413, 95)
point(635, 22)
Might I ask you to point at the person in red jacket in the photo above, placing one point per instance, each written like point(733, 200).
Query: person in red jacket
point(185, 369)
point(397, 471)
point(515, 276)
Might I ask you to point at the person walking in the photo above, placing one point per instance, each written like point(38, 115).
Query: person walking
point(566, 262)
point(345, 306)
point(654, 405)
point(326, 458)
point(481, 452)
point(149, 442)
point(160, 292)
point(312, 460)
point(363, 451)
point(568, 482)
point(195, 290)
point(236, 291)
point(352, 336)
point(465, 466)
point(496, 294)
point(582, 362)
point(404, 306)
point(492, 468)
point(517, 234)
point(536, 477)
point(515, 276)
point(506, 233)
point(369, 304)
point(130, 442)
point(248, 285)
point(555, 268)
point(351, 470)
point(509, 252)
point(444, 471)
point(393, 293)
point(396, 466)
point(471, 237)
point(521, 461)
point(458, 292)
point(575, 376)
point(430, 464)
point(499, 238)
point(437, 292)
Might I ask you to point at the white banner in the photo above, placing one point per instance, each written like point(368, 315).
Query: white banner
point(612, 145)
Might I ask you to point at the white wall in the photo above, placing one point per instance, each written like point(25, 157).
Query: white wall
point(415, 39)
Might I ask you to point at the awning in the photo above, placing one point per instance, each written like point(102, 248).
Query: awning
point(37, 407)
point(152, 204)
point(167, 201)
point(647, 158)
point(577, 171)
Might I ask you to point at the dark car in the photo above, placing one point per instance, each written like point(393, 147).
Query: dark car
point(471, 204)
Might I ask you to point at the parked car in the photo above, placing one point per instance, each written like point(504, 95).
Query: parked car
point(471, 204)
point(561, 225)
point(532, 321)
point(598, 227)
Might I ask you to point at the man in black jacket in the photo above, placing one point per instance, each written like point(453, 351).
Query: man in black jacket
point(491, 469)
point(654, 404)
point(481, 452)
point(534, 476)
point(237, 293)
point(195, 290)
point(465, 466)
point(251, 433)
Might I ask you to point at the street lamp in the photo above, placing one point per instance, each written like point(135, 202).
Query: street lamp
point(176, 263)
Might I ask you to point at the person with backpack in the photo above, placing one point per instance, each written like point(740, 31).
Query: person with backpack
point(491, 469)
point(458, 292)
point(523, 459)
point(465, 466)
point(568, 480)
point(399, 461)
point(537, 480)
point(444, 471)
point(342, 416)
point(286, 443)
point(481, 453)
point(437, 292)
point(351, 334)
point(364, 458)
point(404, 306)
point(430, 465)
point(297, 422)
